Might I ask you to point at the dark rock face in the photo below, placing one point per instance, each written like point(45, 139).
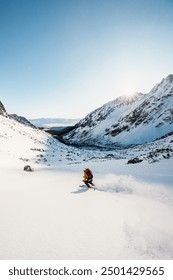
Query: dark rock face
point(134, 160)
point(2, 109)
point(28, 168)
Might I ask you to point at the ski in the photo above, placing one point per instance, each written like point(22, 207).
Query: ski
point(84, 186)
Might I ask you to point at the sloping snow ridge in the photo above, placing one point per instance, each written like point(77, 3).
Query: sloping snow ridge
point(21, 119)
point(46, 215)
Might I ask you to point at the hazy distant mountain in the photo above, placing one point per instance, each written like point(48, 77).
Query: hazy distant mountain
point(53, 122)
point(128, 120)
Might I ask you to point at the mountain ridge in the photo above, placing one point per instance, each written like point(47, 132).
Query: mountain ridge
point(122, 122)
point(21, 119)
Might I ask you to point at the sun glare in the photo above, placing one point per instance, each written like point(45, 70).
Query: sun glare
point(130, 94)
point(130, 97)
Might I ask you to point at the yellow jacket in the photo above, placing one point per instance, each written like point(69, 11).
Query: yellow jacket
point(85, 176)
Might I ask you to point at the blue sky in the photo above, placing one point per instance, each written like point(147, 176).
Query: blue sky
point(65, 58)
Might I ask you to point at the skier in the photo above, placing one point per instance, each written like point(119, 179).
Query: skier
point(88, 178)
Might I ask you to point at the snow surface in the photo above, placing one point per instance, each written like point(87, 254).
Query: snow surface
point(45, 215)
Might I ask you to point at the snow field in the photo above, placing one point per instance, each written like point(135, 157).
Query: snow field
point(47, 216)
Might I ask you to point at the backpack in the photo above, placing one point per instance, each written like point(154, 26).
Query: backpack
point(89, 173)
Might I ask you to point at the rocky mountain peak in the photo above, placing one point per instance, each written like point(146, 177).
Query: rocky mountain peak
point(164, 86)
point(169, 78)
point(2, 109)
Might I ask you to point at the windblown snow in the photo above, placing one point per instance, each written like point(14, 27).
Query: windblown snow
point(46, 215)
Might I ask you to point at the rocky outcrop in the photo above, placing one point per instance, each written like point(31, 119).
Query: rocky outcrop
point(2, 110)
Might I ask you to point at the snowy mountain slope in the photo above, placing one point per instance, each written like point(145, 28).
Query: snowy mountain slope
point(92, 129)
point(45, 215)
point(20, 143)
point(16, 140)
point(124, 122)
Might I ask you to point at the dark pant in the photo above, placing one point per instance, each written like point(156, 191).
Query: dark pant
point(87, 183)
